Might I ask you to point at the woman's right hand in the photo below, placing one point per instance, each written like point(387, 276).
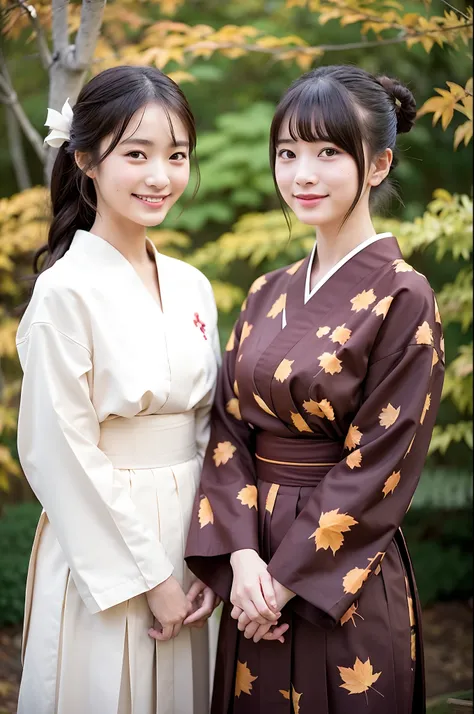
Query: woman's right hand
point(252, 588)
point(170, 608)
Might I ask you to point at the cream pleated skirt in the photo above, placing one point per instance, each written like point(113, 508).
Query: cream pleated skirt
point(78, 663)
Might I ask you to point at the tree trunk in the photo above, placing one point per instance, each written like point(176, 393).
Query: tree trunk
point(17, 153)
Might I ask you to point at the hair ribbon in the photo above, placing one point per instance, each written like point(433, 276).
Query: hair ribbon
point(60, 125)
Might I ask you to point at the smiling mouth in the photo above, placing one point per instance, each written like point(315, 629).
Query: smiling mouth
point(151, 199)
point(309, 196)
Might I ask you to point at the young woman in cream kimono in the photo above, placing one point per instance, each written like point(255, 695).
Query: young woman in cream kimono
point(119, 350)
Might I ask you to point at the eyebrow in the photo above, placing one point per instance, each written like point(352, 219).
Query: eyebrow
point(148, 142)
point(285, 141)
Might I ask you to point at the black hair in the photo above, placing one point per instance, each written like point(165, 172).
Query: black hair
point(349, 107)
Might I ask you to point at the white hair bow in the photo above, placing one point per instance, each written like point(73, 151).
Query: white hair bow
point(60, 125)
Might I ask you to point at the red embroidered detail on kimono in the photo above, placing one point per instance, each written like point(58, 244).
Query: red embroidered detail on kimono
point(199, 323)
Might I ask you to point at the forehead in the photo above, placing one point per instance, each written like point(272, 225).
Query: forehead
point(153, 123)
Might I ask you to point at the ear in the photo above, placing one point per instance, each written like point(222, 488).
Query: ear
point(380, 167)
point(82, 160)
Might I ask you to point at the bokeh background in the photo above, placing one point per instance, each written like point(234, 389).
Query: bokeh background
point(234, 60)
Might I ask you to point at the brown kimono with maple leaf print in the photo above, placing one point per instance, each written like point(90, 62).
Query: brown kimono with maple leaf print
point(319, 433)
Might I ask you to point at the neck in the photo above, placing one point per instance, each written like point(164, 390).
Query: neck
point(128, 238)
point(334, 242)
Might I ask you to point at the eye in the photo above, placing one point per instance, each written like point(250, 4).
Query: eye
point(329, 152)
point(136, 154)
point(179, 156)
point(286, 154)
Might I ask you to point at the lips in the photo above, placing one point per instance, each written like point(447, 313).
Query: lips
point(150, 200)
point(309, 196)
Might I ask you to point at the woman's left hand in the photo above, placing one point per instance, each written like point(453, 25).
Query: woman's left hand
point(273, 631)
point(204, 600)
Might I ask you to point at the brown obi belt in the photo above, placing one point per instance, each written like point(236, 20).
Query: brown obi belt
point(294, 462)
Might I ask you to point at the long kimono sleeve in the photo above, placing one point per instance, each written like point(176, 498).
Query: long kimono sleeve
point(340, 536)
point(218, 501)
point(111, 554)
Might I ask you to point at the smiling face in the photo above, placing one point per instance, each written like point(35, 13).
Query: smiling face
point(146, 173)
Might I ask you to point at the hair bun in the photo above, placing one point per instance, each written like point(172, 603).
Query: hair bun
point(405, 104)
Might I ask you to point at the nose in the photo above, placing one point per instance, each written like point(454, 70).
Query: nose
point(157, 176)
point(306, 174)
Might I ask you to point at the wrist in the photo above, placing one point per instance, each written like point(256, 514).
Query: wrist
point(237, 554)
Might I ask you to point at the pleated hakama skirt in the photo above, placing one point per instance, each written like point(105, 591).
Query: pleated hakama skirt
point(105, 663)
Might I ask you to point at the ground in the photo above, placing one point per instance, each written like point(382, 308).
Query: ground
point(448, 652)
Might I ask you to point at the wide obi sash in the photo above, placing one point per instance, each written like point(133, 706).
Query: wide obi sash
point(294, 461)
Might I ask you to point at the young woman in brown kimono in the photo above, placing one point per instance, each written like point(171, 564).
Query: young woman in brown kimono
point(323, 416)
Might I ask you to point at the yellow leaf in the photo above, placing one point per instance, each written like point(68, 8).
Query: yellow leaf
point(294, 268)
point(248, 496)
point(323, 331)
point(295, 698)
point(383, 306)
point(231, 342)
point(205, 515)
point(321, 409)
point(341, 334)
point(424, 334)
point(409, 448)
point(330, 363)
point(243, 679)
point(391, 483)
point(262, 405)
point(277, 307)
point(271, 497)
point(246, 330)
point(388, 416)
point(258, 284)
point(300, 423)
point(285, 693)
point(353, 438)
point(413, 646)
point(434, 359)
point(354, 460)
point(358, 679)
point(349, 615)
point(236, 388)
point(332, 525)
point(426, 406)
point(401, 266)
point(363, 300)
point(283, 370)
point(355, 578)
point(223, 452)
point(233, 408)
point(463, 133)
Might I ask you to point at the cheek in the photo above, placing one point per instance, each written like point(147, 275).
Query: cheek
point(284, 177)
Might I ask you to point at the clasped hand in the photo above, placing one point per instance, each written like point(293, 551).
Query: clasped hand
point(257, 598)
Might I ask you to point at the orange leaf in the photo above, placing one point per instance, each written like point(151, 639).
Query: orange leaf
point(349, 615)
point(323, 331)
point(262, 405)
point(330, 363)
point(231, 342)
point(388, 416)
point(391, 483)
point(354, 460)
point(295, 267)
point(413, 646)
point(248, 496)
point(358, 679)
point(236, 388)
point(434, 359)
point(283, 370)
point(383, 306)
point(341, 334)
point(353, 437)
point(401, 266)
point(285, 693)
point(246, 330)
point(332, 525)
point(426, 406)
point(354, 579)
point(243, 679)
point(205, 515)
point(363, 300)
point(300, 423)
point(233, 407)
point(277, 307)
point(271, 497)
point(321, 409)
point(258, 284)
point(424, 334)
point(295, 698)
point(223, 452)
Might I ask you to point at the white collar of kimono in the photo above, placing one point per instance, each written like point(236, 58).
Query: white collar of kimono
point(308, 294)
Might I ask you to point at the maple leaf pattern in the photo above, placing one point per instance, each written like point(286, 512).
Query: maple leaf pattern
point(388, 416)
point(363, 300)
point(391, 483)
point(349, 615)
point(413, 646)
point(283, 370)
point(323, 331)
point(295, 698)
point(285, 693)
point(330, 363)
point(243, 679)
point(262, 405)
point(435, 359)
point(437, 315)
point(341, 334)
point(426, 406)
point(223, 452)
point(248, 496)
point(424, 334)
point(401, 266)
point(353, 437)
point(257, 284)
point(383, 306)
point(354, 460)
point(244, 305)
point(230, 342)
point(332, 525)
point(409, 448)
point(233, 408)
point(321, 409)
point(295, 267)
point(271, 497)
point(354, 579)
point(236, 388)
point(359, 678)
point(300, 423)
point(205, 514)
point(278, 306)
point(246, 330)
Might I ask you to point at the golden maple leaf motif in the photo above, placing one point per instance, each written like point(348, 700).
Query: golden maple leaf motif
point(409, 448)
point(341, 334)
point(283, 370)
point(243, 679)
point(233, 407)
point(363, 300)
point(353, 437)
point(244, 305)
point(295, 698)
point(236, 388)
point(411, 612)
point(223, 452)
point(424, 334)
point(271, 497)
point(354, 579)
point(437, 315)
point(435, 359)
point(262, 405)
point(426, 406)
point(231, 342)
point(332, 525)
point(321, 409)
point(258, 284)
point(383, 306)
point(350, 613)
point(401, 266)
point(354, 460)
point(205, 514)
point(300, 423)
point(413, 646)
point(391, 483)
point(323, 331)
point(359, 678)
point(246, 330)
point(285, 692)
point(248, 496)
point(388, 416)
point(330, 363)
point(277, 307)
point(295, 267)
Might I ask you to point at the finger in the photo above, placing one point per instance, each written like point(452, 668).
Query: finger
point(196, 588)
point(236, 612)
point(243, 621)
point(261, 631)
point(177, 629)
point(262, 607)
point(165, 634)
point(268, 591)
point(277, 633)
point(251, 629)
point(252, 613)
